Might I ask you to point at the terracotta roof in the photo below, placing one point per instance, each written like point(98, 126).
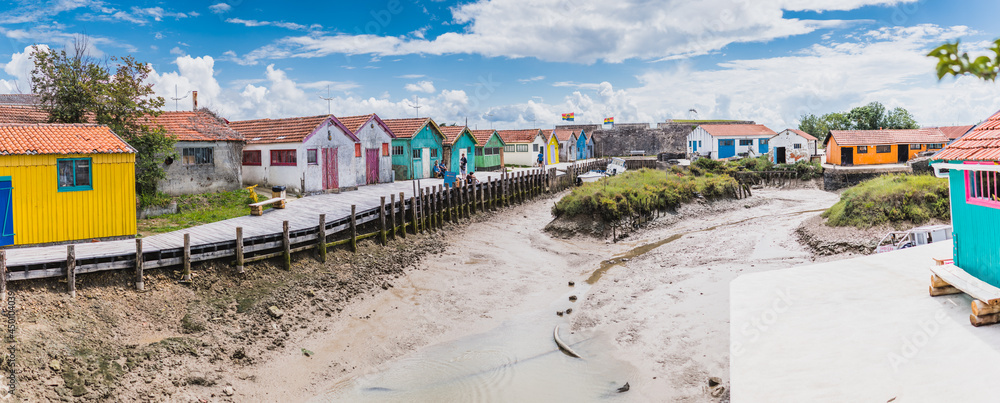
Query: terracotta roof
point(954, 132)
point(287, 130)
point(195, 126)
point(451, 133)
point(852, 138)
point(23, 114)
point(564, 134)
point(354, 123)
point(981, 144)
point(18, 139)
point(483, 136)
point(407, 128)
point(738, 130)
point(19, 99)
point(803, 134)
point(518, 136)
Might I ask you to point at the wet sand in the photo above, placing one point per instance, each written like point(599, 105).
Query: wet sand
point(475, 322)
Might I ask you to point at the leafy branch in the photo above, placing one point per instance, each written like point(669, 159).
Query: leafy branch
point(950, 61)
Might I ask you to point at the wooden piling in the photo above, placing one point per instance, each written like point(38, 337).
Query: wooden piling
point(139, 283)
point(321, 238)
point(286, 243)
point(413, 214)
point(392, 214)
point(402, 215)
point(71, 270)
point(473, 196)
point(240, 261)
point(439, 205)
point(186, 277)
point(354, 228)
point(450, 202)
point(381, 218)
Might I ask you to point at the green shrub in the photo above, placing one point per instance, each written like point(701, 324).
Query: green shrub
point(891, 199)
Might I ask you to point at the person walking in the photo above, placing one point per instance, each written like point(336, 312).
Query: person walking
point(541, 159)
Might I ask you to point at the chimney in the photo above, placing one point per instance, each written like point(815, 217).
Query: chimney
point(194, 97)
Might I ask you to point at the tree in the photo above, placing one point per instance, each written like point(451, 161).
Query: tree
point(868, 117)
point(75, 88)
point(950, 61)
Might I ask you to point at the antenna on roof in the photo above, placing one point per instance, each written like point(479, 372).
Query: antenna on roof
point(416, 106)
point(177, 98)
point(327, 99)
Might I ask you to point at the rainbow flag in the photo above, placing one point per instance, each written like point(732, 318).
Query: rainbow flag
point(569, 116)
point(609, 120)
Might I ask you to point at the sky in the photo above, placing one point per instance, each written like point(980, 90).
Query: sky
point(513, 64)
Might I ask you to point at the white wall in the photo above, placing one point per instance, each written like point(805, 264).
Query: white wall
point(707, 146)
point(373, 135)
point(788, 140)
point(326, 136)
point(520, 158)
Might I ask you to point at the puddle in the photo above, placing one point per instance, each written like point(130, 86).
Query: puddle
point(643, 249)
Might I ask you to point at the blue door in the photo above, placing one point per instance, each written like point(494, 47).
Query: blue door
point(727, 148)
point(7, 211)
point(763, 146)
point(694, 146)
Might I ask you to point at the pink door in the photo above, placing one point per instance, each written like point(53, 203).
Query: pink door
point(330, 168)
point(371, 165)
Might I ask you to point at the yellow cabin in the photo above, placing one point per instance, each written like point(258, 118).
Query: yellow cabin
point(65, 182)
point(551, 147)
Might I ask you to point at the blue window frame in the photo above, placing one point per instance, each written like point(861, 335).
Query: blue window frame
point(74, 174)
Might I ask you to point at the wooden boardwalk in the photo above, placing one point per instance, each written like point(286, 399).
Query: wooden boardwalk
point(300, 213)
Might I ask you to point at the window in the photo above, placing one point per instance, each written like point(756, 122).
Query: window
point(251, 157)
point(397, 150)
point(311, 157)
point(283, 158)
point(862, 149)
point(479, 152)
point(699, 143)
point(74, 174)
point(523, 148)
point(416, 153)
point(982, 188)
point(197, 156)
point(534, 147)
point(797, 146)
point(357, 150)
point(725, 143)
point(915, 146)
point(385, 149)
point(763, 142)
point(508, 149)
point(434, 153)
point(935, 146)
point(883, 149)
point(493, 151)
point(746, 142)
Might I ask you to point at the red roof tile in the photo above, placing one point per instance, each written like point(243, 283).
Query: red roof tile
point(19, 99)
point(852, 138)
point(451, 133)
point(19, 139)
point(354, 123)
point(803, 134)
point(737, 130)
point(195, 126)
point(564, 134)
point(287, 130)
point(483, 136)
point(518, 136)
point(981, 144)
point(407, 128)
point(23, 114)
point(954, 132)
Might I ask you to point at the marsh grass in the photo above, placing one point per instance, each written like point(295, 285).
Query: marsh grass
point(892, 199)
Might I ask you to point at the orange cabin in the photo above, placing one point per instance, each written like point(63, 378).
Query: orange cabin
point(872, 147)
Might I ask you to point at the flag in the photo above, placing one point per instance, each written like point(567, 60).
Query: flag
point(609, 120)
point(568, 116)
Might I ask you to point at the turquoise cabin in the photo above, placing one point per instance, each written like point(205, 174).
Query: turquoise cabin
point(583, 149)
point(459, 142)
point(419, 143)
point(973, 163)
point(489, 151)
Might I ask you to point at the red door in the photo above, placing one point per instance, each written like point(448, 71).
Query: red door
point(371, 165)
point(330, 168)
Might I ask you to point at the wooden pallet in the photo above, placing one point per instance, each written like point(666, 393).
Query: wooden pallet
point(258, 208)
point(950, 279)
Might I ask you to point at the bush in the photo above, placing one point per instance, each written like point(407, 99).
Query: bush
point(892, 199)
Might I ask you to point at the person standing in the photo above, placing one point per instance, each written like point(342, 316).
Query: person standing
point(462, 164)
point(541, 159)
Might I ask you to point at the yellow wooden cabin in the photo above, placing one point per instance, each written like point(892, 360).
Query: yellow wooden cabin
point(65, 182)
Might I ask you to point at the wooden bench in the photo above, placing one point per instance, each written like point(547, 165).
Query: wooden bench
point(258, 208)
point(950, 279)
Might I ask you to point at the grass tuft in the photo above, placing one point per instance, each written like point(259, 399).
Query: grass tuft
point(891, 199)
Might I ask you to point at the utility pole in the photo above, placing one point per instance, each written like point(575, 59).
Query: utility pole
point(177, 98)
point(416, 106)
point(327, 99)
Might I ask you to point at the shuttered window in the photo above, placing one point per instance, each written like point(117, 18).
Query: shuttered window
point(283, 158)
point(197, 156)
point(385, 149)
point(251, 157)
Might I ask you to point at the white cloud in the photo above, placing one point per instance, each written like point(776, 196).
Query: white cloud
point(411, 76)
point(530, 79)
point(135, 15)
point(19, 68)
point(420, 86)
point(280, 24)
point(220, 8)
point(585, 31)
point(177, 51)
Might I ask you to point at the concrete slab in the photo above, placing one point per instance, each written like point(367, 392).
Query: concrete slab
point(855, 330)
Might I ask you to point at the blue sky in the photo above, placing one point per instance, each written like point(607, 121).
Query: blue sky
point(521, 63)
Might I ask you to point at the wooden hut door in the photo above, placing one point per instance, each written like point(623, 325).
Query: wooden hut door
point(7, 209)
point(371, 165)
point(330, 178)
point(903, 152)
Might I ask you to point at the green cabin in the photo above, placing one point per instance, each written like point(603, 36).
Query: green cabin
point(489, 151)
point(458, 143)
point(419, 143)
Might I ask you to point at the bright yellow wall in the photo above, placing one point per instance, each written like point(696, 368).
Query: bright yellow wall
point(553, 152)
point(43, 214)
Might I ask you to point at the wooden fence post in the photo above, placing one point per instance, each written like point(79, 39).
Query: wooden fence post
point(449, 202)
point(71, 270)
point(139, 283)
point(465, 200)
point(186, 277)
point(3, 276)
point(392, 214)
point(239, 251)
point(321, 238)
point(286, 242)
point(381, 218)
point(439, 205)
point(402, 215)
point(413, 214)
point(354, 228)
point(481, 197)
point(473, 196)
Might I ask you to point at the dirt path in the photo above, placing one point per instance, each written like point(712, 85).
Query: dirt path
point(664, 313)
